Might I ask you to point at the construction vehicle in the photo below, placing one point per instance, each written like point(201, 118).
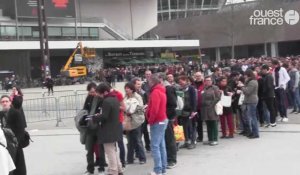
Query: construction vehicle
point(75, 70)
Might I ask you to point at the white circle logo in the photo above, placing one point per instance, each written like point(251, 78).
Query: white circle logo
point(291, 17)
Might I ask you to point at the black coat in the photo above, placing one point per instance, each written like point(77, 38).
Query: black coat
point(268, 86)
point(17, 104)
point(110, 129)
point(88, 104)
point(13, 120)
point(171, 102)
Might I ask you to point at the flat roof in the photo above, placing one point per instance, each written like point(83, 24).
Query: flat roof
point(35, 45)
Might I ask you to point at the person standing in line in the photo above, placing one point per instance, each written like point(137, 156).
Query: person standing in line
point(281, 78)
point(199, 86)
point(134, 110)
point(157, 117)
point(12, 119)
point(226, 117)
point(250, 90)
point(171, 145)
point(110, 130)
point(210, 97)
point(268, 96)
point(121, 146)
point(93, 105)
point(188, 116)
point(294, 86)
point(146, 88)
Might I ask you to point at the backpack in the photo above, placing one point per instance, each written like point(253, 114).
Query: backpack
point(12, 142)
point(11, 139)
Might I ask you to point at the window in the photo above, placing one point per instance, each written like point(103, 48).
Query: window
point(8, 31)
point(25, 31)
point(174, 4)
point(207, 2)
point(181, 14)
point(83, 31)
point(215, 2)
point(159, 5)
point(68, 31)
point(191, 4)
point(159, 17)
point(181, 4)
point(199, 3)
point(174, 15)
point(165, 4)
point(54, 31)
point(165, 16)
point(94, 32)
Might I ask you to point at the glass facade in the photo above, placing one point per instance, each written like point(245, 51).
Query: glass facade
point(54, 33)
point(174, 9)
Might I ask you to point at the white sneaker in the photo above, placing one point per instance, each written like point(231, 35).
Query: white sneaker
point(280, 119)
point(153, 173)
point(285, 119)
point(273, 124)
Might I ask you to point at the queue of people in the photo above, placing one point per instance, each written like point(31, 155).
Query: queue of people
point(256, 94)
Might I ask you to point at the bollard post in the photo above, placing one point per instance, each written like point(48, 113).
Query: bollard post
point(58, 114)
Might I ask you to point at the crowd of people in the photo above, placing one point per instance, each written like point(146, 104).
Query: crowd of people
point(243, 95)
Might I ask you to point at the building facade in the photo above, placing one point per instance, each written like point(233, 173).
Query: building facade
point(226, 24)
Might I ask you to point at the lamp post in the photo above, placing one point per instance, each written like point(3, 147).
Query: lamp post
point(44, 46)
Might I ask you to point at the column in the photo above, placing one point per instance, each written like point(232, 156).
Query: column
point(274, 49)
point(218, 54)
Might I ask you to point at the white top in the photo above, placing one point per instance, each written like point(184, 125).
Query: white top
point(284, 78)
point(6, 162)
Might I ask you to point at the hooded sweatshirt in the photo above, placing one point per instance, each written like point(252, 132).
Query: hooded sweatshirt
point(156, 111)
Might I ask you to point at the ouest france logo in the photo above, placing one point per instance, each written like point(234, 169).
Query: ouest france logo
point(274, 17)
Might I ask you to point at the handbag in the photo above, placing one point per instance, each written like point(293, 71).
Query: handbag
point(127, 123)
point(219, 108)
point(226, 100)
point(178, 133)
point(26, 141)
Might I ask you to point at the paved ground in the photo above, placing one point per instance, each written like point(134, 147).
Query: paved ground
point(57, 151)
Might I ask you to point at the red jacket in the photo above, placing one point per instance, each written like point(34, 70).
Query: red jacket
point(156, 111)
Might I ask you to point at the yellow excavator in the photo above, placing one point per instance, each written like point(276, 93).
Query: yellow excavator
point(78, 73)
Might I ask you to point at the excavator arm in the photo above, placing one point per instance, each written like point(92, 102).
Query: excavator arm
point(70, 60)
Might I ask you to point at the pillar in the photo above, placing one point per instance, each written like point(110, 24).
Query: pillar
point(274, 49)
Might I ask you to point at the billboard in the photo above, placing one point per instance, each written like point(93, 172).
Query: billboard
point(54, 8)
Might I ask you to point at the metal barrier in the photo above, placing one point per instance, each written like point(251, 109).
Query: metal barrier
point(60, 93)
point(54, 108)
point(40, 109)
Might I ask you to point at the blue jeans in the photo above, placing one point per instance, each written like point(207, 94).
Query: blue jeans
point(122, 149)
point(280, 99)
point(252, 118)
point(135, 144)
point(266, 113)
point(158, 146)
point(296, 96)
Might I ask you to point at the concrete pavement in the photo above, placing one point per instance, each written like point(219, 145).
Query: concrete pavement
point(57, 151)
